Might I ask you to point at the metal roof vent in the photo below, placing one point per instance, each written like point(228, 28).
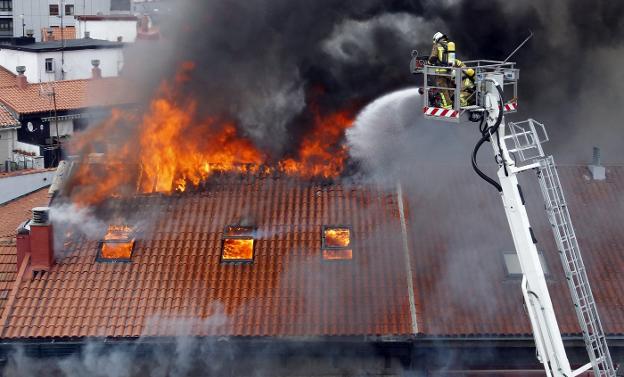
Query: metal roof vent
point(598, 172)
point(41, 215)
point(21, 69)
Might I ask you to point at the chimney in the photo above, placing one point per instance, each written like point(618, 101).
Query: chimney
point(598, 172)
point(30, 33)
point(50, 35)
point(23, 242)
point(41, 240)
point(22, 82)
point(144, 24)
point(96, 72)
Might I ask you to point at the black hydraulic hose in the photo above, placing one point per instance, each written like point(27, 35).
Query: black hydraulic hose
point(486, 135)
point(481, 174)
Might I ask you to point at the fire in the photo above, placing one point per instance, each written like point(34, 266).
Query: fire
point(319, 155)
point(117, 243)
point(174, 146)
point(237, 249)
point(337, 237)
point(341, 254)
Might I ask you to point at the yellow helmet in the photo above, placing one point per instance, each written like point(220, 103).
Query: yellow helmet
point(470, 72)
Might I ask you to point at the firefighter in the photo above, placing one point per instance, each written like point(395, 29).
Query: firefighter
point(443, 54)
point(467, 94)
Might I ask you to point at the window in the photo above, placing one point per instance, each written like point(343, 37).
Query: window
point(117, 245)
point(336, 244)
point(49, 65)
point(69, 9)
point(238, 244)
point(6, 5)
point(6, 25)
point(54, 10)
point(512, 264)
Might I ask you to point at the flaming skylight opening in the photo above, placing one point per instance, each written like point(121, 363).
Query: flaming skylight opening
point(238, 244)
point(337, 243)
point(117, 245)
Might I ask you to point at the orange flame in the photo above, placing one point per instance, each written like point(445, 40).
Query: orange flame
point(240, 249)
point(117, 243)
point(337, 237)
point(173, 146)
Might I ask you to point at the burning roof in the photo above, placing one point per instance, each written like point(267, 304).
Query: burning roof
point(173, 145)
point(180, 266)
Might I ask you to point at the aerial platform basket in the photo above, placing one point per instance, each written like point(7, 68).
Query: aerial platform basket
point(440, 82)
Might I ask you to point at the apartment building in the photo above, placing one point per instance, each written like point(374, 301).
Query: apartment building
point(22, 17)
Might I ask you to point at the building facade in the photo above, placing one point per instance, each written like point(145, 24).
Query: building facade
point(19, 17)
point(50, 61)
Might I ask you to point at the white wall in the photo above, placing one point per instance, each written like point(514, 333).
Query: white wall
point(14, 186)
point(77, 63)
point(65, 127)
point(8, 138)
point(108, 29)
point(11, 59)
point(37, 15)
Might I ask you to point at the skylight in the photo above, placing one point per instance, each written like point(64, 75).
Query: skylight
point(336, 243)
point(238, 244)
point(117, 245)
point(512, 264)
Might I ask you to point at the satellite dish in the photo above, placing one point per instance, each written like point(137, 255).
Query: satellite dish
point(30, 127)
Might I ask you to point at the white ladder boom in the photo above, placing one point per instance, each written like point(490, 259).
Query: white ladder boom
point(575, 272)
point(523, 140)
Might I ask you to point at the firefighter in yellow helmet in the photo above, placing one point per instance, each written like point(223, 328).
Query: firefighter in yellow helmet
point(467, 95)
point(443, 54)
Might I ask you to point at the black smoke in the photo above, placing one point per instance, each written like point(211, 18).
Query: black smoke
point(265, 62)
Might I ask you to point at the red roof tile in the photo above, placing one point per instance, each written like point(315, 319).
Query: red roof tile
point(68, 32)
point(459, 269)
point(176, 282)
point(7, 119)
point(11, 215)
point(70, 95)
point(457, 231)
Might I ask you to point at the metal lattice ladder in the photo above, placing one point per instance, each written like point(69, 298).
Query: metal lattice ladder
point(576, 274)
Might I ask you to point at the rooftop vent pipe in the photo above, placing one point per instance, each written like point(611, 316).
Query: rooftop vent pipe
point(598, 172)
point(22, 82)
point(41, 215)
point(96, 71)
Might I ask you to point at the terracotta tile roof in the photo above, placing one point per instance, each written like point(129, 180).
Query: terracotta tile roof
point(7, 78)
point(176, 281)
point(68, 32)
point(70, 95)
point(7, 119)
point(459, 268)
point(457, 235)
point(11, 215)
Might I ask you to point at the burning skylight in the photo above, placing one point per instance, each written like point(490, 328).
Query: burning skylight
point(238, 244)
point(117, 245)
point(337, 243)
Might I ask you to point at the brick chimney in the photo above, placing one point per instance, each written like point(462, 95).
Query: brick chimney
point(96, 72)
point(144, 24)
point(41, 240)
point(23, 242)
point(598, 172)
point(50, 35)
point(22, 82)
